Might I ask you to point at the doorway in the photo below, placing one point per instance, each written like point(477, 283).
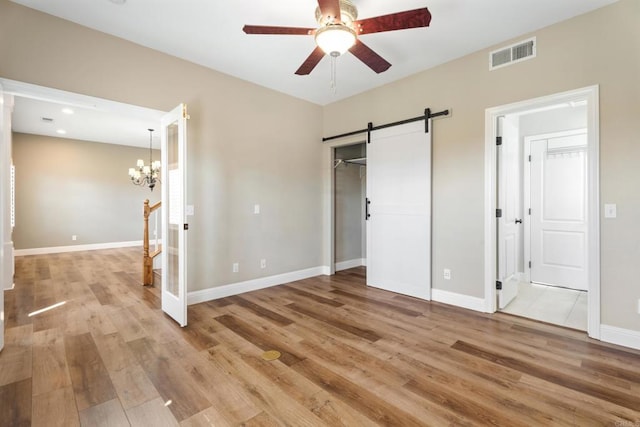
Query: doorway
point(350, 177)
point(542, 247)
point(120, 118)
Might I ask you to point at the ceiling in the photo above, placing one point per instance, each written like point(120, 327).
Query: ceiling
point(39, 117)
point(45, 111)
point(209, 33)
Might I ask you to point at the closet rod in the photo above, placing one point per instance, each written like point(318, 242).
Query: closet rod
point(427, 115)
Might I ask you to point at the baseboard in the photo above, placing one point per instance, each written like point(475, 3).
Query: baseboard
point(76, 248)
point(345, 265)
point(204, 295)
point(459, 300)
point(625, 337)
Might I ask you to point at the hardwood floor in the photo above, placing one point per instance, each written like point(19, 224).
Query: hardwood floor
point(350, 355)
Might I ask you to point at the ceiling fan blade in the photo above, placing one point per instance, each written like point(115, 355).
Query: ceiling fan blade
point(265, 29)
point(310, 63)
point(330, 8)
point(365, 54)
point(395, 21)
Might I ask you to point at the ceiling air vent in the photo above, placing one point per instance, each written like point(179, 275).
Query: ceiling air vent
point(517, 52)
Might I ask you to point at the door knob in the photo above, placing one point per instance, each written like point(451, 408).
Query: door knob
point(518, 221)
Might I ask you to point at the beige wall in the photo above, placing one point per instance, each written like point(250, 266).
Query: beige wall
point(66, 187)
point(598, 48)
point(247, 144)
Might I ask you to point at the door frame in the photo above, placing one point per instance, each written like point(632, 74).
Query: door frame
point(591, 94)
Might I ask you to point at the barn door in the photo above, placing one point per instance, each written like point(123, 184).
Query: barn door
point(399, 210)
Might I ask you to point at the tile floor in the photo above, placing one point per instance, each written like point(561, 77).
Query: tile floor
point(564, 307)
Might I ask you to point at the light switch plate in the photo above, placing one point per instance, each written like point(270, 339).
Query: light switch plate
point(188, 210)
point(610, 210)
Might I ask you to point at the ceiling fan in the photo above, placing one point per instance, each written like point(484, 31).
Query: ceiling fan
point(338, 31)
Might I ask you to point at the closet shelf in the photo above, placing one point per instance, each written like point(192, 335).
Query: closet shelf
point(359, 161)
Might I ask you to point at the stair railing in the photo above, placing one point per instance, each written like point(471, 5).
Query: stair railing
point(147, 262)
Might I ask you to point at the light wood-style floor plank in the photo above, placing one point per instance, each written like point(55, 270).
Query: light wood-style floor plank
point(351, 355)
point(56, 408)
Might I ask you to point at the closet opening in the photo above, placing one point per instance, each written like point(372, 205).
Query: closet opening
point(350, 192)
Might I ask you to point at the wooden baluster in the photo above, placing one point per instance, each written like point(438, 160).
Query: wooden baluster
point(147, 266)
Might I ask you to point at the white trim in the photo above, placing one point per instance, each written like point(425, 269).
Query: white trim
point(589, 93)
point(209, 294)
point(72, 99)
point(490, 226)
point(625, 337)
point(76, 248)
point(345, 265)
point(459, 300)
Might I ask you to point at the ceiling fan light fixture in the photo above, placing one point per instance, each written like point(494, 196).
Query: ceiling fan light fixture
point(335, 39)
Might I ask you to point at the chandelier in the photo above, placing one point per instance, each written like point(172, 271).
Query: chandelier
point(146, 174)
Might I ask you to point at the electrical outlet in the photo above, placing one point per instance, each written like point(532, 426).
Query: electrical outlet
point(74, 237)
point(256, 209)
point(263, 263)
point(236, 267)
point(447, 274)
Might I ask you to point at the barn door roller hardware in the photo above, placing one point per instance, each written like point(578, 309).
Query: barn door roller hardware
point(426, 116)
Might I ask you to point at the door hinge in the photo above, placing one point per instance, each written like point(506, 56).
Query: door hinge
point(186, 226)
point(529, 264)
point(529, 157)
point(529, 211)
point(184, 112)
point(367, 215)
point(498, 213)
point(498, 140)
point(498, 285)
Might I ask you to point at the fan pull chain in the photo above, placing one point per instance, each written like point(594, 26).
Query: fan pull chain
point(334, 83)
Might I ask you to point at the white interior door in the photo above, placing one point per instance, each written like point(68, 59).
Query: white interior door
point(399, 196)
point(510, 221)
point(174, 227)
point(4, 211)
point(558, 191)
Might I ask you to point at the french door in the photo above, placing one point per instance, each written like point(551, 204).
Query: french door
point(174, 227)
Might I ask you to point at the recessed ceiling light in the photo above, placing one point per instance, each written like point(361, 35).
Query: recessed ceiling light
point(118, 1)
point(67, 111)
point(61, 131)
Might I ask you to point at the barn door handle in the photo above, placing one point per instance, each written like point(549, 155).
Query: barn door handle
point(367, 215)
point(518, 221)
